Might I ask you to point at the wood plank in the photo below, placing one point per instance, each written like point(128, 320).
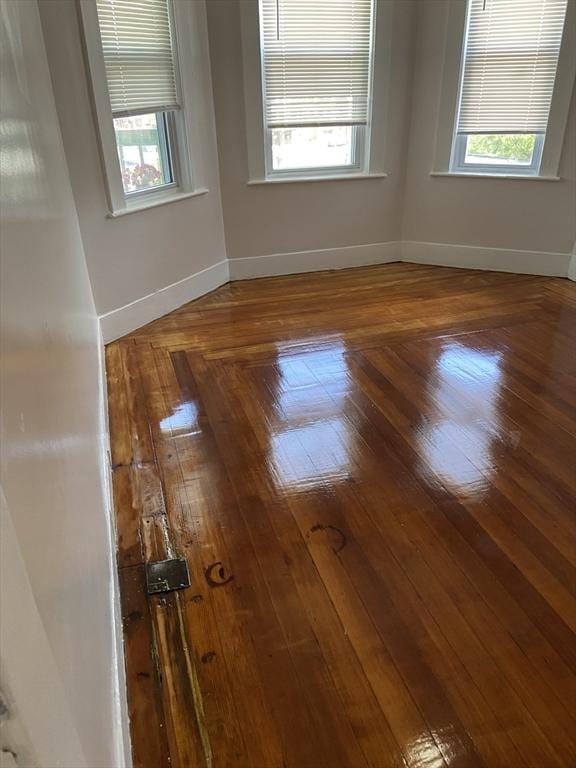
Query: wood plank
point(146, 711)
point(126, 406)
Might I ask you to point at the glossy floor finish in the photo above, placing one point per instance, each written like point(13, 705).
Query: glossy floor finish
point(371, 473)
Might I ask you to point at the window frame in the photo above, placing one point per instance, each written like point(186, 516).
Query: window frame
point(179, 123)
point(370, 148)
point(446, 133)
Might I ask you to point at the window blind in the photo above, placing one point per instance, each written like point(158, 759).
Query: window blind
point(510, 63)
point(316, 61)
point(138, 55)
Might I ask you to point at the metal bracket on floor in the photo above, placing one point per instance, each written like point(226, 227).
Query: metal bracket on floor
point(167, 575)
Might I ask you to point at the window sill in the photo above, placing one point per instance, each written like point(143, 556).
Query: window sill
point(509, 176)
point(155, 202)
point(301, 179)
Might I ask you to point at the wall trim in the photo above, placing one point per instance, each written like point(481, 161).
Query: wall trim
point(296, 262)
point(492, 259)
point(132, 316)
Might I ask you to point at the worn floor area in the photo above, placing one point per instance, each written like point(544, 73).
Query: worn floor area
point(371, 474)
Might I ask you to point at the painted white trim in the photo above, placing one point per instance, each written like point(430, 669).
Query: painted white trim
point(252, 74)
point(450, 82)
point(306, 179)
point(571, 274)
point(508, 176)
point(191, 39)
point(154, 202)
point(561, 96)
point(121, 734)
point(297, 262)
point(382, 107)
point(128, 318)
point(572, 268)
point(492, 259)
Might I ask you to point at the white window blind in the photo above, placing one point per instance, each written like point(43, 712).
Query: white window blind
point(316, 61)
point(138, 55)
point(510, 63)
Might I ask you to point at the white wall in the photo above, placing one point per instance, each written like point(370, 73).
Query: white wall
point(283, 218)
point(509, 214)
point(59, 637)
point(136, 255)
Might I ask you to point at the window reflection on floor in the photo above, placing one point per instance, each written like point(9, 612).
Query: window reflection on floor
point(310, 440)
point(183, 421)
point(456, 440)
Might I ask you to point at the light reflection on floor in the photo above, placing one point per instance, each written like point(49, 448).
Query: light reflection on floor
point(457, 444)
point(182, 422)
point(425, 751)
point(310, 436)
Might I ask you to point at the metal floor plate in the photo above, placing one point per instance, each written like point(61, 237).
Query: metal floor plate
point(167, 575)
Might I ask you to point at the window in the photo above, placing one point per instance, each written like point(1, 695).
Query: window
point(137, 47)
point(142, 118)
point(511, 54)
point(144, 152)
point(316, 63)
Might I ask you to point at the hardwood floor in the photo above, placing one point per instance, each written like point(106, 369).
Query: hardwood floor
point(371, 475)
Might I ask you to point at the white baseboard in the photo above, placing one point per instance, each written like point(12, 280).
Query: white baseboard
point(571, 274)
point(313, 261)
point(494, 259)
point(121, 321)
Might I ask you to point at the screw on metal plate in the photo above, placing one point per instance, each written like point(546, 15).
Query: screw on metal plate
point(167, 575)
